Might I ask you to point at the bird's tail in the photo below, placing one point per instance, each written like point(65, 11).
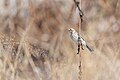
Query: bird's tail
point(90, 49)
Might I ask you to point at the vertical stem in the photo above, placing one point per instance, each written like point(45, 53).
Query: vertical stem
point(80, 55)
point(79, 42)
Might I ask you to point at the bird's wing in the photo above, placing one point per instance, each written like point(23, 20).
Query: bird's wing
point(75, 37)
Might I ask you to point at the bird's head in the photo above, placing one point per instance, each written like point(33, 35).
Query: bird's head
point(71, 30)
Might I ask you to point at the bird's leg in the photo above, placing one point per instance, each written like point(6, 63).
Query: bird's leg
point(82, 47)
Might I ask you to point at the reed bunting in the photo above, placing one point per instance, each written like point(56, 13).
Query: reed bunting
point(74, 36)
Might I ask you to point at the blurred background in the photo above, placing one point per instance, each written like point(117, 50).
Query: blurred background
point(35, 43)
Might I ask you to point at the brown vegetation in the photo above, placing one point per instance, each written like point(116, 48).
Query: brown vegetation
point(35, 44)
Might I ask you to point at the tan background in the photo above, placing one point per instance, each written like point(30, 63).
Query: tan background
point(44, 24)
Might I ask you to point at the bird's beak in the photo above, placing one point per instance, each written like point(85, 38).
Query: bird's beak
point(68, 29)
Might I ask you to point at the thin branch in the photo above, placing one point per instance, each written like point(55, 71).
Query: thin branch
point(80, 22)
point(79, 42)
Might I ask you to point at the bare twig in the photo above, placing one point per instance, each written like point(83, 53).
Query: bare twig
point(80, 23)
point(79, 43)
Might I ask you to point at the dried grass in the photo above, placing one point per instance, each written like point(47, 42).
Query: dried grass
point(34, 42)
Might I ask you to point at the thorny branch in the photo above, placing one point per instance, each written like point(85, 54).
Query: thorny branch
point(81, 18)
point(80, 11)
point(79, 42)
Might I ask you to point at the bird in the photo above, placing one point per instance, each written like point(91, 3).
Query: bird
point(74, 37)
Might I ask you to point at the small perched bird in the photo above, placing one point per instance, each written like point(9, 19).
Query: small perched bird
point(74, 36)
